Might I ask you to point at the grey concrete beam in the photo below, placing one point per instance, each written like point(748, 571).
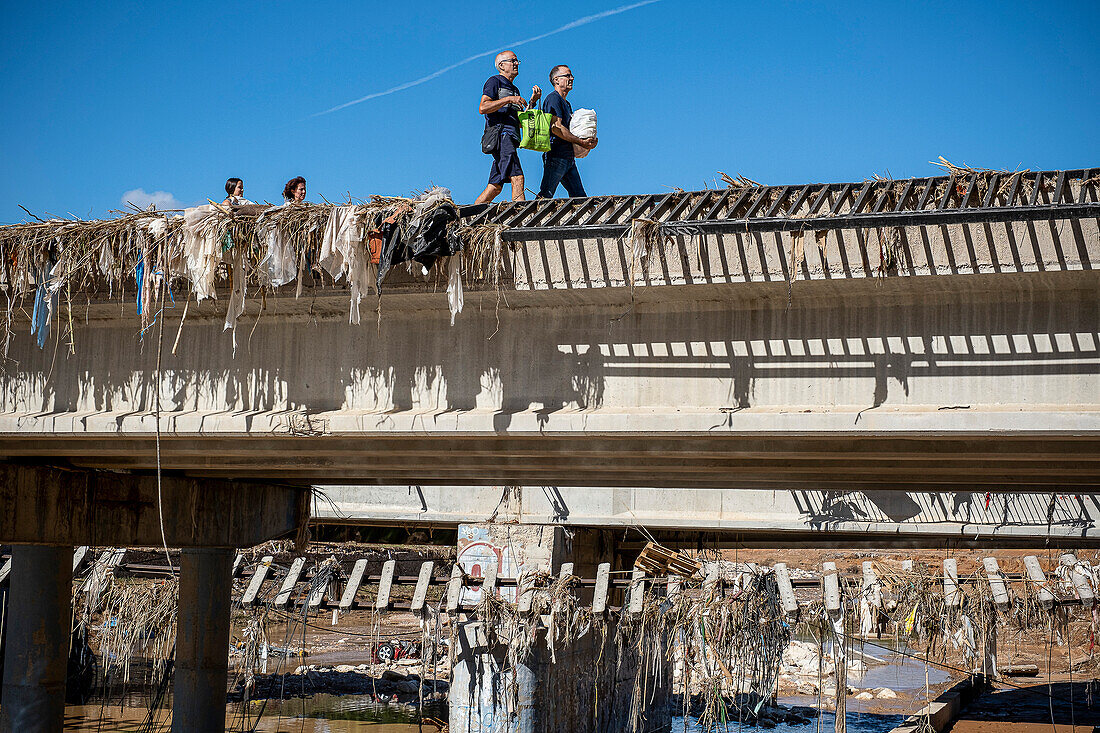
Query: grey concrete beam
point(727, 457)
point(51, 506)
point(742, 516)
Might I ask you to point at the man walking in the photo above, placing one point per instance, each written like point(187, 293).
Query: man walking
point(501, 104)
point(560, 164)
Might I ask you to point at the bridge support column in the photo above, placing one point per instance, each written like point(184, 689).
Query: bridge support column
point(581, 686)
point(202, 640)
point(37, 653)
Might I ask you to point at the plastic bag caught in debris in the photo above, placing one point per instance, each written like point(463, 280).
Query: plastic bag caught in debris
point(202, 248)
point(343, 253)
point(427, 201)
point(45, 305)
point(342, 232)
point(429, 235)
point(279, 265)
point(237, 296)
point(454, 285)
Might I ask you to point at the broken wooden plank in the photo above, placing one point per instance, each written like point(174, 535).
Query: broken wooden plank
point(5, 570)
point(996, 582)
point(382, 601)
point(257, 581)
point(291, 578)
point(354, 580)
point(1038, 580)
point(420, 593)
point(786, 592)
point(237, 564)
point(951, 593)
point(454, 588)
point(657, 560)
point(599, 595)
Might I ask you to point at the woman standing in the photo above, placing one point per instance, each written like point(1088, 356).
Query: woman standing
point(234, 193)
point(295, 190)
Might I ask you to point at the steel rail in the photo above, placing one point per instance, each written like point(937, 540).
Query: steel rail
point(953, 192)
point(847, 221)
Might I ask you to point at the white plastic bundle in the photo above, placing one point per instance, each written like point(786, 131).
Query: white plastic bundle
point(583, 124)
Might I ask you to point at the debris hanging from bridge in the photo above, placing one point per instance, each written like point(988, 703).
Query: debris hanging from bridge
point(723, 632)
point(147, 256)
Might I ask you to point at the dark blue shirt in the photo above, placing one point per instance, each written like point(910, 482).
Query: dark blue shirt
point(559, 106)
point(498, 87)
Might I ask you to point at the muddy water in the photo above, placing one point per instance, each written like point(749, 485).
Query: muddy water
point(856, 724)
point(320, 714)
point(325, 714)
point(352, 713)
point(316, 714)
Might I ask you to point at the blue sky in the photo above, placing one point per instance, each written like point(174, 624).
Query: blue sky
point(104, 98)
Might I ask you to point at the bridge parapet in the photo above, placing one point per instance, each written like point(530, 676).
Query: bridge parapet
point(967, 223)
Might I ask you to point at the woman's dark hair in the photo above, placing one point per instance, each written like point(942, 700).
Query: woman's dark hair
point(231, 186)
point(288, 189)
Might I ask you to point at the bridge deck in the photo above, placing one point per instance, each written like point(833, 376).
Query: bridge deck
point(799, 358)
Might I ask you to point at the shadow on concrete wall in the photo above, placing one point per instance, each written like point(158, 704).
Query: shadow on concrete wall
point(864, 349)
point(824, 510)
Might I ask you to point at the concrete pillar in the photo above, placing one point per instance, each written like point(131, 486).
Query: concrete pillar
point(585, 688)
point(202, 640)
point(39, 627)
point(491, 696)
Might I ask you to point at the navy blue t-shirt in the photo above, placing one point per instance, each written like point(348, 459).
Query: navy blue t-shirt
point(559, 106)
point(498, 87)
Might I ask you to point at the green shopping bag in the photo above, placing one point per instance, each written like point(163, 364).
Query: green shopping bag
point(534, 127)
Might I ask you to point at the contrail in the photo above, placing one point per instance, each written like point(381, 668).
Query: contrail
point(417, 82)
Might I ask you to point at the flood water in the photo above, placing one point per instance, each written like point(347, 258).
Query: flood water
point(316, 714)
point(354, 714)
point(856, 723)
point(348, 714)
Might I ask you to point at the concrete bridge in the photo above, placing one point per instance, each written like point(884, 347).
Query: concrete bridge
point(945, 345)
point(860, 361)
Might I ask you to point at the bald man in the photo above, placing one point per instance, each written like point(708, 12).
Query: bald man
point(501, 104)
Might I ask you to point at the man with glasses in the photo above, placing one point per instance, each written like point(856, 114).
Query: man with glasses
point(560, 164)
point(501, 104)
